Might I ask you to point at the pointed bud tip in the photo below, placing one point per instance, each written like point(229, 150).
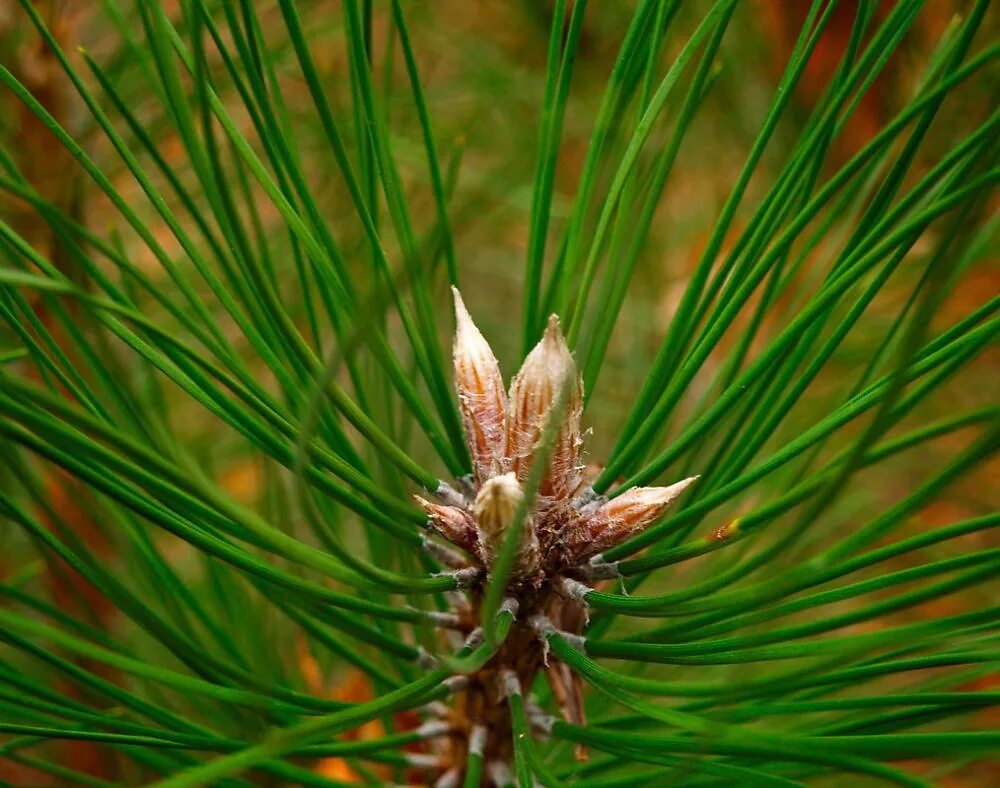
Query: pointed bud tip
point(669, 493)
point(466, 330)
point(504, 485)
point(461, 313)
point(552, 344)
point(553, 332)
point(683, 484)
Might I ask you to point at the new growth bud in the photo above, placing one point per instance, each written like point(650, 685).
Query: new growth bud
point(496, 506)
point(565, 523)
point(534, 391)
point(625, 516)
point(453, 523)
point(481, 397)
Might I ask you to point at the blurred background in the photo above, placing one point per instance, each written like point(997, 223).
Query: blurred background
point(483, 69)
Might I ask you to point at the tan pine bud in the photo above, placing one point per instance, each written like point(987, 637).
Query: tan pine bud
point(623, 517)
point(496, 505)
point(481, 397)
point(534, 391)
point(454, 524)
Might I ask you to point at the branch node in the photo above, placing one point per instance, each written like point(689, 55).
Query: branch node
point(447, 620)
point(438, 709)
point(456, 683)
point(500, 773)
point(449, 496)
point(573, 589)
point(510, 683)
point(443, 553)
point(542, 625)
point(578, 642)
point(542, 723)
point(509, 605)
point(450, 779)
point(477, 739)
point(599, 569)
point(464, 578)
point(474, 639)
point(425, 660)
point(433, 728)
point(423, 760)
point(588, 500)
point(545, 629)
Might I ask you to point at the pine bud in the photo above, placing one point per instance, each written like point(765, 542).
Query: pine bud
point(453, 523)
point(623, 517)
point(481, 396)
point(495, 508)
point(534, 391)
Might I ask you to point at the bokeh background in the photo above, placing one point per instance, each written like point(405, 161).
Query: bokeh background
point(483, 66)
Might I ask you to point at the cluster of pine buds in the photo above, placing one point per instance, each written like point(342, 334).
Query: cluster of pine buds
point(562, 525)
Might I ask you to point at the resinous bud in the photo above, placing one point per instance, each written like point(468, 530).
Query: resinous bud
point(547, 375)
point(481, 397)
